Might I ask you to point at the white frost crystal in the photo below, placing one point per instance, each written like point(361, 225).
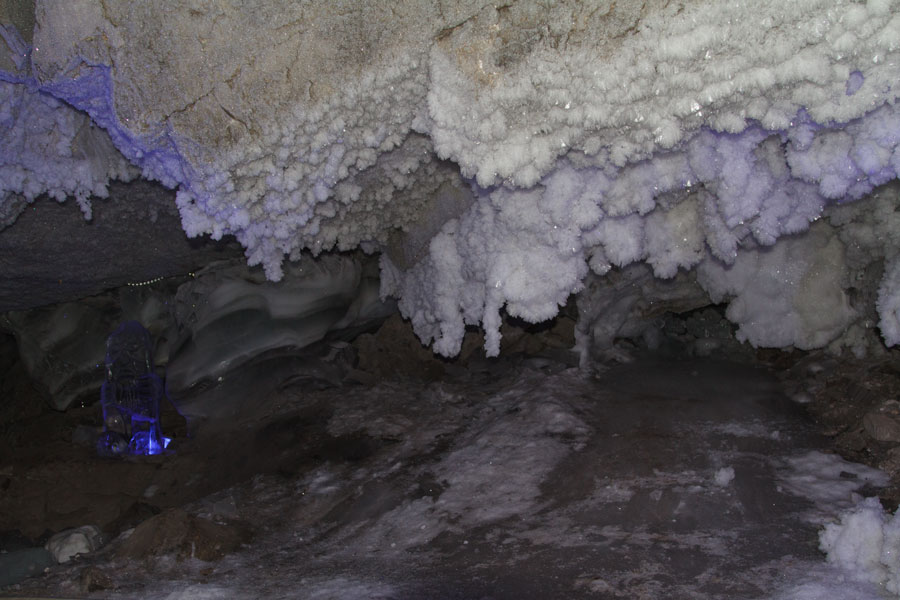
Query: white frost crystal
point(789, 294)
point(866, 542)
point(66, 545)
point(590, 139)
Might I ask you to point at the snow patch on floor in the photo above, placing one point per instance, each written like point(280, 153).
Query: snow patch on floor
point(828, 480)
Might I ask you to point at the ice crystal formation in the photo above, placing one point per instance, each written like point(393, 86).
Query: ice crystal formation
point(498, 157)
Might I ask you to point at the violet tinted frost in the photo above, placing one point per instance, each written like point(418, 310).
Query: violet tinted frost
point(756, 187)
point(753, 116)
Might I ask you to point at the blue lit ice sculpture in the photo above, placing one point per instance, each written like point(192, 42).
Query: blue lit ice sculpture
point(130, 395)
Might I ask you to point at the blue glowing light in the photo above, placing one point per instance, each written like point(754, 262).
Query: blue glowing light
point(130, 395)
point(143, 443)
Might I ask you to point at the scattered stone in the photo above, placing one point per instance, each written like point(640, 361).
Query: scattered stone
point(94, 579)
point(883, 423)
point(67, 544)
point(187, 536)
point(855, 441)
point(890, 463)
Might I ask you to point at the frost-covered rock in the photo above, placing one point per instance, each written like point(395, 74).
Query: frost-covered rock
point(47, 146)
point(883, 422)
point(66, 545)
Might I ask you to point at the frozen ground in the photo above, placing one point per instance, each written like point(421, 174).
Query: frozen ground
point(514, 478)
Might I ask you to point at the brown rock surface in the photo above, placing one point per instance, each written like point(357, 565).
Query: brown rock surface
point(186, 535)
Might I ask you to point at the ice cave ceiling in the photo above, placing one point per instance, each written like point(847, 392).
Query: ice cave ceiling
point(498, 158)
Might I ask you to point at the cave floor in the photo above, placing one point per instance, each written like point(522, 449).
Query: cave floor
point(516, 478)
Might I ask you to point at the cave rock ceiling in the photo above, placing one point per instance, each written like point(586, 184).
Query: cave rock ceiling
point(498, 157)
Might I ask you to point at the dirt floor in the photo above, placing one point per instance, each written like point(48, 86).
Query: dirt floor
point(51, 478)
point(854, 403)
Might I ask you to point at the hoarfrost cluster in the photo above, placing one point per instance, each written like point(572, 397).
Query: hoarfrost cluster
point(496, 156)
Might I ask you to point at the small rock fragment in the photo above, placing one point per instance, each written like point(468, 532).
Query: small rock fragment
point(93, 579)
point(188, 536)
point(883, 423)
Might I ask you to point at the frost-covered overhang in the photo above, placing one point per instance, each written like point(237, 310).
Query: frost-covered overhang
point(497, 154)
